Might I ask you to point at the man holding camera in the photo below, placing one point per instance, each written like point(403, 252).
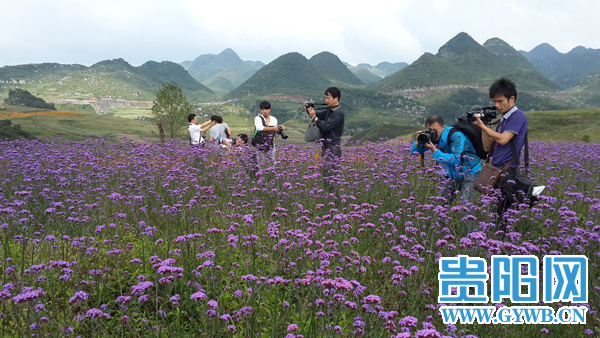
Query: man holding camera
point(266, 128)
point(331, 123)
point(512, 126)
point(455, 152)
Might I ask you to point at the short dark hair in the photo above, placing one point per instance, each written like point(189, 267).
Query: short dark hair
point(334, 92)
point(244, 137)
point(503, 87)
point(191, 117)
point(434, 119)
point(216, 118)
point(265, 105)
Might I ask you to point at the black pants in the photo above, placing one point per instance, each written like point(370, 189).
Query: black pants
point(506, 201)
point(331, 155)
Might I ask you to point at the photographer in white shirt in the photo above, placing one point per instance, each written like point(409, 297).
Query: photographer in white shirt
point(266, 128)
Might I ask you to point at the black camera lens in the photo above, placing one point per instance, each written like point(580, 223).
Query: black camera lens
point(423, 138)
point(283, 135)
point(426, 135)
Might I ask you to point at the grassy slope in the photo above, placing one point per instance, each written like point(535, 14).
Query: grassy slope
point(564, 125)
point(543, 126)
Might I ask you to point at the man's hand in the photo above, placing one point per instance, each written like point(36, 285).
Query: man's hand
point(282, 127)
point(430, 146)
point(311, 112)
point(478, 122)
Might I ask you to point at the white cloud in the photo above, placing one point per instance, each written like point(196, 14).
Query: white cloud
point(72, 31)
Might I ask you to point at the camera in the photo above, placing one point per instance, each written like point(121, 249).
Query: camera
point(312, 104)
point(426, 135)
point(282, 134)
point(485, 114)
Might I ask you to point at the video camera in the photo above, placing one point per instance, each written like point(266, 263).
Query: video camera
point(485, 114)
point(427, 135)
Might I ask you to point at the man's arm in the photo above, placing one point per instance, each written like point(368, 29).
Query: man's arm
point(501, 138)
point(332, 122)
point(452, 158)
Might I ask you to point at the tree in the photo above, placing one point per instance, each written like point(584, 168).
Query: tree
point(20, 97)
point(171, 109)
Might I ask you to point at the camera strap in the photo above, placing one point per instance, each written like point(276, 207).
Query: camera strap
point(513, 149)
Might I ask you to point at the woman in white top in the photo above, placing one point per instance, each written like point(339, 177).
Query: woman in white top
point(220, 132)
point(270, 126)
point(196, 130)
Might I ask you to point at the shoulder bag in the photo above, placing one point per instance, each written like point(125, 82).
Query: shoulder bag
point(313, 133)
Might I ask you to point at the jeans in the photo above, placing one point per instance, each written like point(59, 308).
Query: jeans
point(464, 185)
point(266, 159)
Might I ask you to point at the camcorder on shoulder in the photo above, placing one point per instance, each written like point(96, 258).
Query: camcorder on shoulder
point(427, 135)
point(485, 114)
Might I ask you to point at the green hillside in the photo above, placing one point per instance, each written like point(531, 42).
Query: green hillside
point(565, 69)
point(110, 78)
point(366, 76)
point(502, 49)
point(207, 68)
point(287, 75)
point(383, 69)
point(588, 91)
point(220, 85)
point(333, 69)
point(463, 61)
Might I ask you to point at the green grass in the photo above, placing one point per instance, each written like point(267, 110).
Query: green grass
point(543, 125)
point(82, 127)
point(564, 125)
point(79, 108)
point(19, 109)
point(130, 113)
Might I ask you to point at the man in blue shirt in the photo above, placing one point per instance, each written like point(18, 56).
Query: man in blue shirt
point(460, 164)
point(512, 125)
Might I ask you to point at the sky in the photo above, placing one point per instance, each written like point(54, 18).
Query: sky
point(86, 32)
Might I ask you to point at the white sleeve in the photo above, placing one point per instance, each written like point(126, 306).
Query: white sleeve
point(258, 123)
point(273, 122)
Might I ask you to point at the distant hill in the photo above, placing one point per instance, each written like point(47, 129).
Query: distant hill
point(588, 90)
point(502, 49)
point(383, 131)
point(370, 74)
point(289, 74)
point(228, 65)
point(464, 61)
point(333, 69)
point(566, 70)
point(366, 76)
point(109, 78)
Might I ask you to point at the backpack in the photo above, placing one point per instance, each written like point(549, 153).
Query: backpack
point(472, 132)
point(263, 140)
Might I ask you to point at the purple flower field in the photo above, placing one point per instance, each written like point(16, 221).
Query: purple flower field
point(132, 239)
